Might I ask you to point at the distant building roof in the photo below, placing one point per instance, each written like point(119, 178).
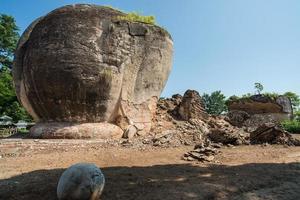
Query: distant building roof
point(5, 118)
point(21, 122)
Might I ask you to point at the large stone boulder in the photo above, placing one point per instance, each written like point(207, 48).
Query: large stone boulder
point(84, 64)
point(257, 110)
point(81, 181)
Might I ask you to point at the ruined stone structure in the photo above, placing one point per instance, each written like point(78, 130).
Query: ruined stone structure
point(257, 110)
point(192, 106)
point(81, 72)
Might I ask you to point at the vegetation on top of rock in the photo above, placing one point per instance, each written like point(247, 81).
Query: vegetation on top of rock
point(295, 99)
point(136, 17)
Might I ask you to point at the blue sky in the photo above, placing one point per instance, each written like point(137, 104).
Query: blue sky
point(225, 45)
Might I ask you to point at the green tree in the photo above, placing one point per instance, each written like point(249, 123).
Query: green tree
point(8, 40)
point(214, 103)
point(9, 104)
point(297, 115)
point(295, 100)
point(258, 87)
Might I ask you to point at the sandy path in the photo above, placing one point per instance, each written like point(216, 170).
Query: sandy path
point(245, 172)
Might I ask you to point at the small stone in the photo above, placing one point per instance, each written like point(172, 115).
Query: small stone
point(190, 158)
point(130, 132)
point(216, 145)
point(209, 158)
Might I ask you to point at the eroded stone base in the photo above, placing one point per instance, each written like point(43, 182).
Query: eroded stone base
point(66, 130)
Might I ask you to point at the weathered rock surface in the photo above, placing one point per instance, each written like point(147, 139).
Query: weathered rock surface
point(169, 127)
point(191, 106)
point(259, 109)
point(81, 64)
point(237, 118)
point(69, 130)
point(81, 181)
point(223, 132)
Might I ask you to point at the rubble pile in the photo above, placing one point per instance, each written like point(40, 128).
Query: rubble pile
point(223, 132)
point(181, 120)
point(204, 152)
point(272, 133)
point(177, 122)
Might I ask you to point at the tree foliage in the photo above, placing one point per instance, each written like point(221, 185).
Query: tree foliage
point(258, 87)
point(8, 39)
point(214, 103)
point(9, 104)
point(292, 126)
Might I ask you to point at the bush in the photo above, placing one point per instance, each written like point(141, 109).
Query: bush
point(214, 103)
point(292, 126)
point(297, 116)
point(136, 17)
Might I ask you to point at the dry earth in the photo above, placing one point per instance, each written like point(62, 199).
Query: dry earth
point(30, 169)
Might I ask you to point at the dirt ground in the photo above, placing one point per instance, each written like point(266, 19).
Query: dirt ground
point(30, 169)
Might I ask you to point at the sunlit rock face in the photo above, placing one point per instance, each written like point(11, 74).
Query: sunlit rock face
point(81, 64)
point(257, 110)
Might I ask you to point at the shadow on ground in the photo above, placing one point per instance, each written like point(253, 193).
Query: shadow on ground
point(172, 182)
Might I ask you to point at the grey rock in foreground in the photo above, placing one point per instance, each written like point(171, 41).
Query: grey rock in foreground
point(82, 64)
point(81, 181)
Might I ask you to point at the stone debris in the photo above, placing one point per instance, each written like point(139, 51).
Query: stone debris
point(273, 134)
point(237, 117)
point(173, 127)
point(223, 132)
point(203, 153)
